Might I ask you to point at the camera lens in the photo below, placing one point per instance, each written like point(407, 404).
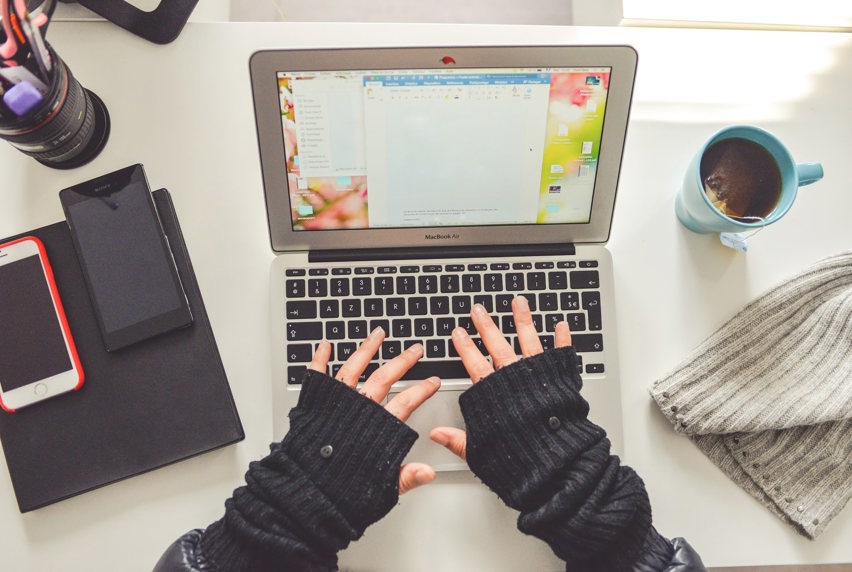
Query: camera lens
point(68, 128)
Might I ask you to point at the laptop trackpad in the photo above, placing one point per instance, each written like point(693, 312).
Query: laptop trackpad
point(441, 410)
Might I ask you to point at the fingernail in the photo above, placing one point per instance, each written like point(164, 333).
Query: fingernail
point(376, 332)
point(415, 349)
point(479, 309)
point(423, 476)
point(440, 439)
point(434, 380)
point(523, 301)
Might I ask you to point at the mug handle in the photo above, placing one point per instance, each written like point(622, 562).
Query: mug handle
point(809, 173)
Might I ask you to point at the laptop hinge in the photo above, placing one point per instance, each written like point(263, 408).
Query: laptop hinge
point(426, 252)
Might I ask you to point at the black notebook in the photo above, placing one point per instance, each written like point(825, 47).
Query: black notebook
point(140, 408)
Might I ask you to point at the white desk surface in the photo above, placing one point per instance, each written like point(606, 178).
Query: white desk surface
point(184, 110)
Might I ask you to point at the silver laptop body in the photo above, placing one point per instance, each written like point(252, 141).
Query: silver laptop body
point(405, 184)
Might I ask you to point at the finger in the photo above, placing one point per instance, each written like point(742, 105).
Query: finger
point(563, 335)
point(405, 402)
point(476, 364)
point(413, 475)
point(352, 369)
point(378, 384)
point(320, 360)
point(498, 346)
point(524, 325)
point(452, 438)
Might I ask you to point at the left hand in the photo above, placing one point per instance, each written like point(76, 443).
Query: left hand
point(376, 387)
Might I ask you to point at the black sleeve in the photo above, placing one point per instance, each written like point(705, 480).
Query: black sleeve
point(335, 473)
point(529, 440)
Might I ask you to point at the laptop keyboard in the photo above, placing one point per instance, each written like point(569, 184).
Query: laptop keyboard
point(424, 303)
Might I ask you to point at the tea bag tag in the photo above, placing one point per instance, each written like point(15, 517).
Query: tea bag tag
point(736, 240)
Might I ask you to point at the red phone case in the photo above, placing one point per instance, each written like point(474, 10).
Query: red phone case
point(60, 311)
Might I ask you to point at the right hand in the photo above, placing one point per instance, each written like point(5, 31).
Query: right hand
point(500, 352)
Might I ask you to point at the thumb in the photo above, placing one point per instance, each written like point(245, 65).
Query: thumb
point(452, 438)
point(413, 475)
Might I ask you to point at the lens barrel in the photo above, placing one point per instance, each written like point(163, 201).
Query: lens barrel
point(67, 129)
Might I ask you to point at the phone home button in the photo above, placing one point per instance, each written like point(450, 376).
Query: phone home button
point(40, 389)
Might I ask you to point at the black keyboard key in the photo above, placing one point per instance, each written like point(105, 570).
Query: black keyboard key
point(383, 324)
point(395, 306)
point(566, 264)
point(594, 368)
point(351, 308)
point(295, 373)
point(467, 324)
point(514, 281)
point(294, 272)
point(373, 307)
point(339, 286)
point(409, 269)
point(588, 264)
point(318, 272)
point(335, 330)
point(503, 303)
point(424, 327)
point(592, 305)
point(387, 269)
point(557, 280)
point(362, 286)
point(341, 271)
point(536, 281)
point(461, 305)
point(345, 350)
point(550, 321)
point(401, 328)
point(364, 270)
point(543, 265)
point(493, 282)
point(299, 353)
point(436, 348)
point(548, 302)
point(522, 266)
point(391, 349)
point(577, 321)
point(531, 301)
point(444, 326)
point(295, 288)
point(471, 283)
point(499, 266)
point(547, 342)
point(317, 288)
point(538, 322)
point(298, 331)
point(427, 284)
point(439, 305)
point(480, 346)
point(569, 301)
point(587, 342)
point(449, 283)
point(417, 306)
point(477, 267)
point(409, 342)
point(508, 325)
point(383, 285)
point(487, 301)
point(405, 284)
point(454, 268)
point(585, 279)
point(445, 369)
point(301, 310)
point(357, 329)
point(432, 268)
point(329, 308)
point(368, 371)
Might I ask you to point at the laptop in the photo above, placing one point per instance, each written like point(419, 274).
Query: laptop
point(404, 185)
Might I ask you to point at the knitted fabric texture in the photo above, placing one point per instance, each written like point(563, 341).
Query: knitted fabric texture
point(768, 396)
point(530, 442)
point(335, 473)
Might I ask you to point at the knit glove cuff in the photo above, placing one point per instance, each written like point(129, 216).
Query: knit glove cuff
point(335, 473)
point(525, 424)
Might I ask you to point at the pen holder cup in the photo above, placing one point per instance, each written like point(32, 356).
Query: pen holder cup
point(67, 129)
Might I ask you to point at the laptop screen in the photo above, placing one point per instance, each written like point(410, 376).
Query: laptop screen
point(396, 148)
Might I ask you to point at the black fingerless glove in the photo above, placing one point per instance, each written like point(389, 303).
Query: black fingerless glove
point(335, 473)
point(529, 440)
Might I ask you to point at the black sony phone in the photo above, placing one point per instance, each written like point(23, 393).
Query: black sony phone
point(126, 259)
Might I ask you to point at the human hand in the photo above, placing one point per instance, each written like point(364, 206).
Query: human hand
point(502, 354)
point(376, 387)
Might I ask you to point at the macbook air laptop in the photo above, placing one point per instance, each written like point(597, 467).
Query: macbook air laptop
point(404, 185)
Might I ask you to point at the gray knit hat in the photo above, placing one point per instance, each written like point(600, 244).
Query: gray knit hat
point(768, 396)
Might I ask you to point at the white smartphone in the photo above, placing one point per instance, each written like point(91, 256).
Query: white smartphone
point(38, 359)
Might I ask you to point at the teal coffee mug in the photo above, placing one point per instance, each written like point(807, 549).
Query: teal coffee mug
point(742, 178)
